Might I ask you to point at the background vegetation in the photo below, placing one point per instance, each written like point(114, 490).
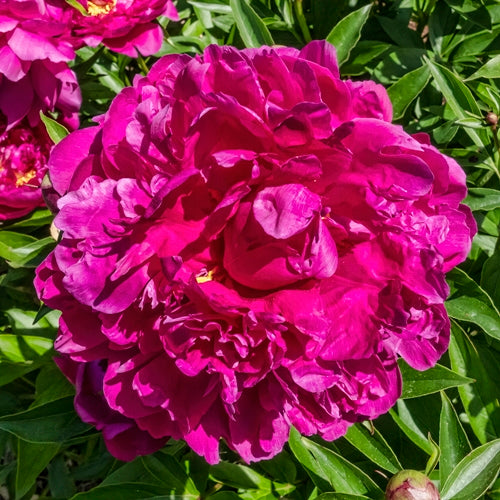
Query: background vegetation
point(440, 60)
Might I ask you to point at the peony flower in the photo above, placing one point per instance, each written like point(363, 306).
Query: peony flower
point(125, 26)
point(34, 75)
point(248, 244)
point(24, 151)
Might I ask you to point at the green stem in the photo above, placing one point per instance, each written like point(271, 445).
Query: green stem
point(27, 381)
point(299, 13)
point(496, 142)
point(142, 65)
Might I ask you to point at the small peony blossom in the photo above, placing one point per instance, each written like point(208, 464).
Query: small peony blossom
point(245, 230)
point(125, 26)
point(411, 485)
point(24, 151)
point(34, 75)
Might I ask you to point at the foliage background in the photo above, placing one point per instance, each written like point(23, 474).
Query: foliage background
point(440, 60)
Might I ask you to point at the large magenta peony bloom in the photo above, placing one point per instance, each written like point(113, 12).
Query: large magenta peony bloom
point(125, 26)
point(249, 244)
point(34, 74)
point(24, 151)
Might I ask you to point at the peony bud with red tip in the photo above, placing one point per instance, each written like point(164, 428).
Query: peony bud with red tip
point(411, 485)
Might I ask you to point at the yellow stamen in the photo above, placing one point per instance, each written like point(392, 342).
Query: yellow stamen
point(206, 277)
point(100, 8)
point(24, 179)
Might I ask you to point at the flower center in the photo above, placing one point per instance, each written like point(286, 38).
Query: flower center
point(23, 158)
point(205, 276)
point(100, 7)
point(22, 179)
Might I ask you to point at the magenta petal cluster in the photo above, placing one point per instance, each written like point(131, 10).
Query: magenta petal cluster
point(248, 244)
point(24, 151)
point(34, 75)
point(125, 26)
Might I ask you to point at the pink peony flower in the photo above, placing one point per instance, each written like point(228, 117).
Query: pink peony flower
point(24, 151)
point(249, 244)
point(125, 26)
point(34, 75)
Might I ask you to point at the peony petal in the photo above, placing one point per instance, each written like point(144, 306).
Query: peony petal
point(285, 210)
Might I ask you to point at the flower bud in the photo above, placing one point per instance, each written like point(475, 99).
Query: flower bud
point(411, 485)
point(492, 119)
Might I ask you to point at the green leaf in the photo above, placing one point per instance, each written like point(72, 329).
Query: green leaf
point(480, 400)
point(474, 474)
point(374, 446)
point(473, 11)
point(169, 472)
point(51, 385)
point(78, 6)
point(131, 472)
point(225, 495)
point(453, 440)
point(406, 89)
point(485, 243)
point(11, 242)
point(61, 483)
point(340, 496)
point(281, 468)
point(286, 9)
point(109, 78)
point(489, 223)
point(24, 322)
point(5, 471)
point(216, 7)
point(23, 348)
point(12, 371)
point(8, 404)
point(406, 422)
point(337, 472)
point(34, 253)
point(397, 29)
point(469, 302)
point(460, 99)
point(489, 70)
point(489, 94)
point(32, 458)
point(442, 27)
point(471, 122)
point(38, 218)
point(434, 458)
point(253, 31)
point(56, 131)
point(21, 249)
point(89, 58)
point(239, 476)
point(347, 32)
point(490, 276)
point(51, 423)
point(127, 491)
point(483, 199)
point(312, 467)
point(419, 383)
point(473, 45)
point(362, 55)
